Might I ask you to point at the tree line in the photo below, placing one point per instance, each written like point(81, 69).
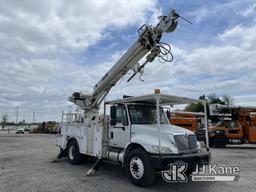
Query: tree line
point(211, 99)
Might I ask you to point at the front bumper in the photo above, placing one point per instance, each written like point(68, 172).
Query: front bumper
point(162, 162)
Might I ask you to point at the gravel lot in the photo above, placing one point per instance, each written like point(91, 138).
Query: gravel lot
point(25, 165)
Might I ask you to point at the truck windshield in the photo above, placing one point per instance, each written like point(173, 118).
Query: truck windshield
point(146, 114)
point(228, 124)
point(223, 123)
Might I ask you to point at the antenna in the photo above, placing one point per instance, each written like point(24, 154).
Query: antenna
point(183, 18)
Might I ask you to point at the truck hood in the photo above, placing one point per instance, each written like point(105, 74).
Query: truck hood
point(166, 129)
point(175, 130)
point(147, 135)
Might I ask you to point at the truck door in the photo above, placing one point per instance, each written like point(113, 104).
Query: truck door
point(234, 130)
point(251, 121)
point(119, 128)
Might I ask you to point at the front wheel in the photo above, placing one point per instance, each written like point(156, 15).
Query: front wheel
point(74, 156)
point(220, 142)
point(139, 168)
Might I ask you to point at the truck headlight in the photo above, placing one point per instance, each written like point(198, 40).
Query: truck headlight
point(164, 149)
point(199, 147)
point(212, 133)
point(155, 148)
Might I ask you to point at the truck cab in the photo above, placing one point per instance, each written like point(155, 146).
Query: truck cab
point(133, 120)
point(130, 121)
point(140, 124)
point(225, 132)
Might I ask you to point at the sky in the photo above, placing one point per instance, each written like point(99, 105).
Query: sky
point(49, 49)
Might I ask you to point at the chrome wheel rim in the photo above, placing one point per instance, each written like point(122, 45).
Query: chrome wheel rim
point(136, 167)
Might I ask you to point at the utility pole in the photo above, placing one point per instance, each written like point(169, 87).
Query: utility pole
point(34, 117)
point(17, 116)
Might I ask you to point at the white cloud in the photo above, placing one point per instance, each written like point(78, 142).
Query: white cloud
point(226, 67)
point(249, 100)
point(38, 41)
point(53, 26)
point(228, 10)
point(43, 85)
point(249, 11)
point(240, 36)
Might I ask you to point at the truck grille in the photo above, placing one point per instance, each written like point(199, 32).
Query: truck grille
point(186, 143)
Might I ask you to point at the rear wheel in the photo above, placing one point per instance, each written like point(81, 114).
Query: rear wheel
point(74, 156)
point(139, 168)
point(220, 142)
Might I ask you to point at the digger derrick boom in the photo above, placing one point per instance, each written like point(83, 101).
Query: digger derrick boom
point(147, 44)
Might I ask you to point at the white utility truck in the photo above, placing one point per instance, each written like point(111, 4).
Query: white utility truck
point(136, 133)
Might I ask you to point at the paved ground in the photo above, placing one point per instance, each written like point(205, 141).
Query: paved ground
point(25, 165)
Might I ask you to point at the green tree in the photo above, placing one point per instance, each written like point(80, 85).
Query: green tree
point(213, 99)
point(228, 100)
point(4, 120)
point(195, 107)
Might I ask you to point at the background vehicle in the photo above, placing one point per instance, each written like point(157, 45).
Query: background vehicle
point(20, 130)
point(193, 121)
point(238, 127)
point(51, 127)
point(137, 134)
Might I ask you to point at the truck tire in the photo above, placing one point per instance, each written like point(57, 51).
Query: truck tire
point(220, 142)
point(139, 168)
point(74, 156)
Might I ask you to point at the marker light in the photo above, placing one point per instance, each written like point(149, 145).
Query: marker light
point(157, 91)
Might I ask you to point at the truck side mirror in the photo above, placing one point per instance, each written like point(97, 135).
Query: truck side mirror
point(113, 112)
